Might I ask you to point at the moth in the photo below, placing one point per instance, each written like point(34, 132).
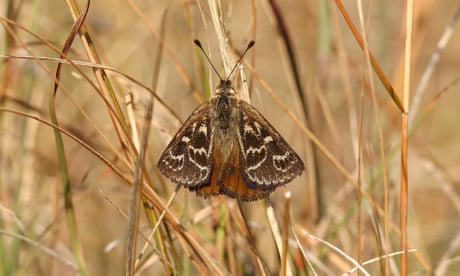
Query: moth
point(227, 147)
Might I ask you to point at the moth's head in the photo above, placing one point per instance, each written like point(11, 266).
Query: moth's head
point(225, 88)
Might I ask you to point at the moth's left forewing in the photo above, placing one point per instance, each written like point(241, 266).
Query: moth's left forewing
point(267, 160)
point(187, 158)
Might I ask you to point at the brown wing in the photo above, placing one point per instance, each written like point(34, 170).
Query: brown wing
point(187, 159)
point(267, 161)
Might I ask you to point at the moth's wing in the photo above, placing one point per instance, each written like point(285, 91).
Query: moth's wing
point(267, 161)
point(187, 160)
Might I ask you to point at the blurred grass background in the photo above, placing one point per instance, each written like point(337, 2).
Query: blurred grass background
point(334, 102)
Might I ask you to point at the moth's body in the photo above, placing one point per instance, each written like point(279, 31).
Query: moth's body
point(227, 147)
point(224, 117)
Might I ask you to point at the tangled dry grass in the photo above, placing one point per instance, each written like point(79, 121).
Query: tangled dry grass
point(377, 129)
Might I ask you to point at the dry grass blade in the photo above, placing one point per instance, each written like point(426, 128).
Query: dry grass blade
point(46, 250)
point(373, 260)
point(434, 60)
point(138, 183)
point(305, 259)
point(311, 152)
point(63, 166)
point(404, 185)
point(340, 252)
point(373, 61)
point(261, 266)
point(285, 266)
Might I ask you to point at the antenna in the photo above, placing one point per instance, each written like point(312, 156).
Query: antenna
point(198, 43)
point(250, 44)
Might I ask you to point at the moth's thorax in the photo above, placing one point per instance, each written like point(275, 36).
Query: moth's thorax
point(224, 114)
point(224, 108)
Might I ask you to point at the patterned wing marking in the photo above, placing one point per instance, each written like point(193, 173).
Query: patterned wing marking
point(187, 159)
point(267, 161)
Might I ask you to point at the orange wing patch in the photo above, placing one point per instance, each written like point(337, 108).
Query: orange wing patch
point(226, 178)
